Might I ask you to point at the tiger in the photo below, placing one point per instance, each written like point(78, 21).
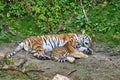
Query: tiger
point(69, 51)
point(40, 46)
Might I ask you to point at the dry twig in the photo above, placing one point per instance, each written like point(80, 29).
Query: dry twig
point(17, 68)
point(84, 11)
point(69, 73)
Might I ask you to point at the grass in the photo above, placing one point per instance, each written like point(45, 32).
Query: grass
point(8, 75)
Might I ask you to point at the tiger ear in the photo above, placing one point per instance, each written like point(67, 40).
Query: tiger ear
point(71, 39)
point(76, 36)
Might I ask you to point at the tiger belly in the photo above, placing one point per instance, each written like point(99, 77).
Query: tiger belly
point(49, 44)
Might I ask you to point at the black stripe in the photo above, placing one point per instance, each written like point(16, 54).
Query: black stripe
point(50, 43)
point(45, 41)
point(58, 42)
point(54, 43)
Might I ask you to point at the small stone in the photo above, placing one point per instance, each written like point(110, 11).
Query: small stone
point(60, 77)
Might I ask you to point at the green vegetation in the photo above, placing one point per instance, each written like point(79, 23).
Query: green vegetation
point(22, 18)
point(8, 75)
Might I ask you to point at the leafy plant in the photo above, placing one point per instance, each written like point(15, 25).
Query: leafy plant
point(34, 17)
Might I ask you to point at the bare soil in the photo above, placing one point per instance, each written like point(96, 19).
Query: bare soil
point(104, 64)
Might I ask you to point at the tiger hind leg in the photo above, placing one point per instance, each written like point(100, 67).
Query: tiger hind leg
point(62, 59)
point(37, 55)
point(67, 58)
point(59, 59)
point(41, 57)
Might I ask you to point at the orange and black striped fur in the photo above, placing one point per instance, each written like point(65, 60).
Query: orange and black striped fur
point(69, 51)
point(40, 46)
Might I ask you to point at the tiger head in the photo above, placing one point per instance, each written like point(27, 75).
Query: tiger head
point(75, 43)
point(84, 40)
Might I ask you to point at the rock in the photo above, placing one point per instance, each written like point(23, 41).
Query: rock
point(60, 77)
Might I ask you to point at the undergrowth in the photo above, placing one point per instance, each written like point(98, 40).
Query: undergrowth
point(23, 18)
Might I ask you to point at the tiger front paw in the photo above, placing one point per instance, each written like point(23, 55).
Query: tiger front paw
point(88, 51)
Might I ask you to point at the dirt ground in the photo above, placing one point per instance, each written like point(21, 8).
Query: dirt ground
point(104, 64)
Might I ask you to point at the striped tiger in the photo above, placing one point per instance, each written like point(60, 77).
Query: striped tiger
point(41, 46)
point(69, 51)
